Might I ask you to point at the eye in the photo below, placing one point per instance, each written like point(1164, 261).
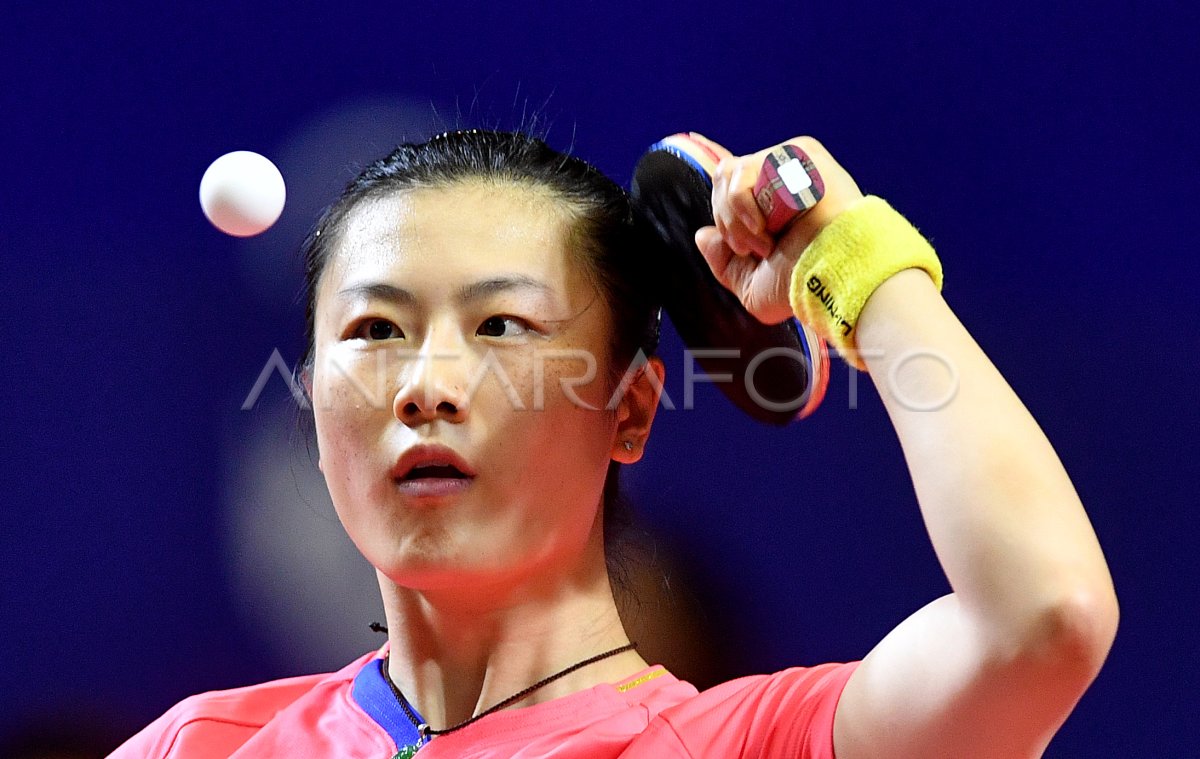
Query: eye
point(378, 329)
point(502, 326)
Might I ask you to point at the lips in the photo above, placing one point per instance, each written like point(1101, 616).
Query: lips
point(432, 470)
point(435, 471)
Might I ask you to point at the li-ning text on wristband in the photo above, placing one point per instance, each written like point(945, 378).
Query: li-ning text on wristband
point(853, 255)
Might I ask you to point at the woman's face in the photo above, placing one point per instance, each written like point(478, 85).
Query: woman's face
point(448, 323)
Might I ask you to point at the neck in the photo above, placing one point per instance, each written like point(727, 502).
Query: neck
point(455, 654)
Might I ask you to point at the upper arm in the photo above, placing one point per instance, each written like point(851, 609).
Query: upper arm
point(937, 686)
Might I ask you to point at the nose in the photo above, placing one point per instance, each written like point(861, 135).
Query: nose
point(433, 386)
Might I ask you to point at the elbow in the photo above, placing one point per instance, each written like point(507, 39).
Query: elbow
point(1089, 625)
point(1073, 635)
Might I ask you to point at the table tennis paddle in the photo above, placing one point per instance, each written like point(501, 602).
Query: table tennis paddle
point(780, 371)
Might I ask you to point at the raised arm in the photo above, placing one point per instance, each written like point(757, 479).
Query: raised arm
point(994, 668)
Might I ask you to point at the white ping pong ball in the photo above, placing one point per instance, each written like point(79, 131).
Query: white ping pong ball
point(242, 193)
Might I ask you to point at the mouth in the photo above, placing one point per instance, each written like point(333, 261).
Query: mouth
point(432, 470)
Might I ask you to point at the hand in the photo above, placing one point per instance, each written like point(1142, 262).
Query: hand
point(743, 257)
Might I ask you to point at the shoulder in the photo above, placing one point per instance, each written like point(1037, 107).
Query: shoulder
point(787, 713)
point(220, 721)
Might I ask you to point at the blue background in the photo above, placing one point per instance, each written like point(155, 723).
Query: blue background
point(1049, 153)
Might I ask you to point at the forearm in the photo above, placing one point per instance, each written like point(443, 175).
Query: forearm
point(1005, 521)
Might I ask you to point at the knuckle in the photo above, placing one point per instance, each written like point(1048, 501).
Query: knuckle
point(808, 142)
point(725, 224)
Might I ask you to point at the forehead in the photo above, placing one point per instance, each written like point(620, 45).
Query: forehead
point(436, 236)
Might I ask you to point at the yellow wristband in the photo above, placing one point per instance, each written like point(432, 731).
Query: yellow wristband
point(854, 254)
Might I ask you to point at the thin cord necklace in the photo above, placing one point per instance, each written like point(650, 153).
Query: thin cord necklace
point(425, 732)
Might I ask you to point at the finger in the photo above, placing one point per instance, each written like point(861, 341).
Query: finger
point(742, 222)
point(747, 211)
point(737, 216)
point(750, 227)
point(723, 217)
point(840, 192)
point(718, 255)
point(739, 279)
point(720, 150)
point(740, 175)
point(746, 243)
point(738, 274)
point(734, 272)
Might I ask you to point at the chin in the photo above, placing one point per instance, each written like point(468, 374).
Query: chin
point(490, 578)
point(429, 565)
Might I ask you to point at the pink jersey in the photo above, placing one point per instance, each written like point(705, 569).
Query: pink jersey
point(352, 713)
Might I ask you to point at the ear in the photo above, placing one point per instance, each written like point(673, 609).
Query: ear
point(635, 410)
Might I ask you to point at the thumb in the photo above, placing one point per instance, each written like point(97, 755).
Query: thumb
point(715, 251)
point(707, 237)
point(734, 272)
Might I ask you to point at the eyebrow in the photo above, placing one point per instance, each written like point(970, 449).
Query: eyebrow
point(466, 294)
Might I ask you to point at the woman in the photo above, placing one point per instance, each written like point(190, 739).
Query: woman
point(475, 319)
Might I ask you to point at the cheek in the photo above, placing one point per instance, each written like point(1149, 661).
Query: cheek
point(562, 433)
point(547, 378)
point(354, 472)
point(345, 417)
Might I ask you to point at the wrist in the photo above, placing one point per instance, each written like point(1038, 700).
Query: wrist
point(862, 248)
point(896, 308)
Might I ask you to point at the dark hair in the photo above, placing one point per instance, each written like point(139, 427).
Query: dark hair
point(611, 237)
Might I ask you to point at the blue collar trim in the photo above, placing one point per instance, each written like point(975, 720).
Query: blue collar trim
point(372, 692)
